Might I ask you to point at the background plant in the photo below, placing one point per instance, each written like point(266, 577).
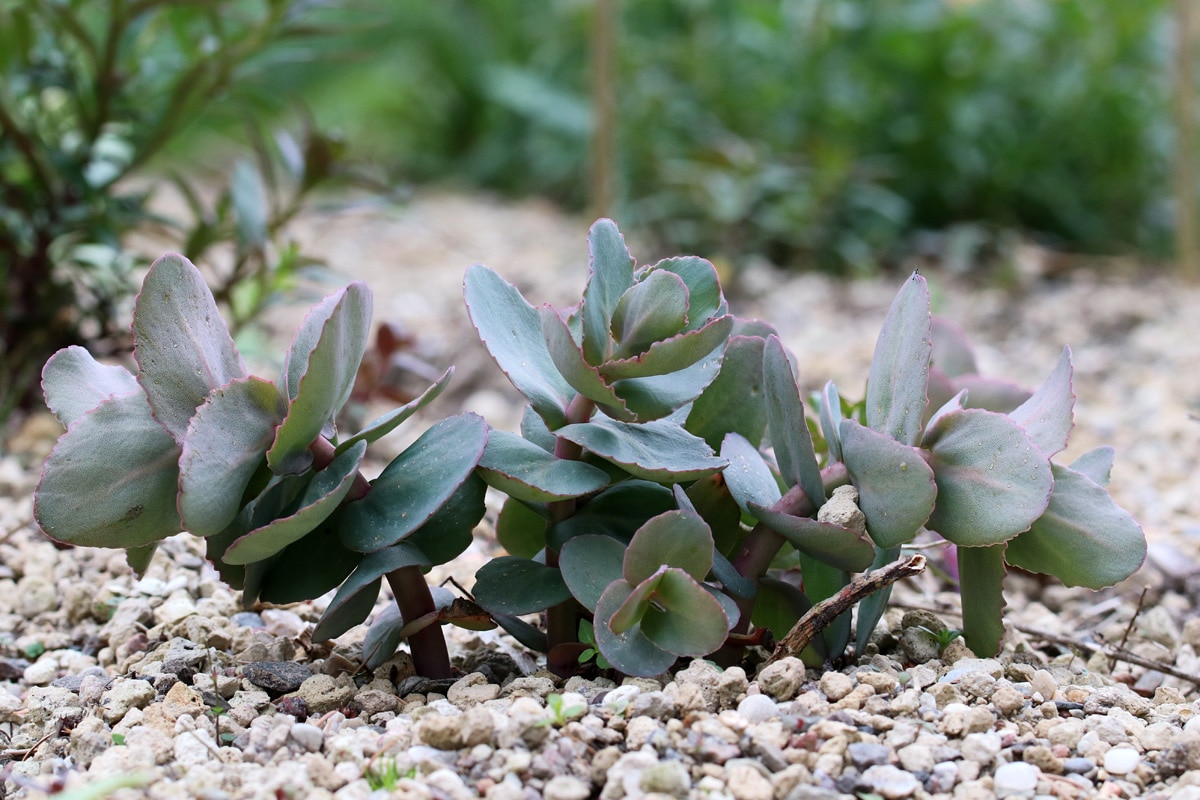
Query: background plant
point(91, 92)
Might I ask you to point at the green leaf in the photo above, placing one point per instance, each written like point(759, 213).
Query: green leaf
point(1096, 464)
point(224, 446)
point(569, 361)
point(521, 469)
point(834, 545)
point(629, 652)
point(111, 479)
point(322, 497)
point(733, 402)
point(691, 621)
point(512, 585)
point(653, 309)
point(831, 421)
point(448, 533)
point(991, 394)
point(309, 568)
point(785, 418)
point(415, 485)
point(637, 603)
point(1083, 539)
point(617, 511)
point(778, 607)
point(671, 354)
point(610, 274)
point(871, 607)
point(349, 605)
point(381, 426)
point(383, 637)
point(660, 396)
point(75, 383)
point(679, 539)
point(250, 207)
point(1048, 415)
point(520, 529)
point(658, 450)
point(327, 379)
point(748, 477)
point(511, 329)
point(533, 429)
point(589, 563)
point(896, 488)
point(181, 344)
point(992, 481)
point(705, 300)
point(981, 585)
point(896, 394)
point(138, 558)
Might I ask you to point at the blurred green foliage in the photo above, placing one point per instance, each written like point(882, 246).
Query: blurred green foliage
point(817, 132)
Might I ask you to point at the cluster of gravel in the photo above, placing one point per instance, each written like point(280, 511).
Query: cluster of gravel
point(167, 678)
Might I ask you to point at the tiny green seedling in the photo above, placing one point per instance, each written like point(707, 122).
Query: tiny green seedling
point(560, 714)
point(942, 637)
point(385, 774)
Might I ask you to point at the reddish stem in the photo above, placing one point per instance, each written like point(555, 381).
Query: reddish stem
point(430, 656)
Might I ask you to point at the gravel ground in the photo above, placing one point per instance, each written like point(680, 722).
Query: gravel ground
point(166, 679)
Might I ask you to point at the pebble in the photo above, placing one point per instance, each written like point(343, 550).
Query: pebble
point(890, 782)
point(1016, 779)
point(277, 677)
point(1121, 760)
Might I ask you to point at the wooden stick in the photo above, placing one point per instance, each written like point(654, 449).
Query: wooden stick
point(823, 613)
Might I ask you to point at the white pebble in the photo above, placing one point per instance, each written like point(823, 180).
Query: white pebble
point(757, 708)
point(1016, 779)
point(1121, 760)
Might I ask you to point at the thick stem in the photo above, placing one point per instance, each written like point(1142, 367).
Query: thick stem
point(430, 656)
point(323, 450)
point(562, 620)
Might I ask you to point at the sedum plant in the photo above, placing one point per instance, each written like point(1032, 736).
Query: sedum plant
point(668, 496)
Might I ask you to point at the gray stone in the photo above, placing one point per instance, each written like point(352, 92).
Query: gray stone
point(277, 677)
point(325, 693)
point(310, 737)
point(124, 695)
point(782, 679)
point(890, 782)
point(566, 787)
point(666, 777)
point(866, 754)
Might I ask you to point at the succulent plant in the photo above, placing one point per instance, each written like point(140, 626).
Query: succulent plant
point(668, 495)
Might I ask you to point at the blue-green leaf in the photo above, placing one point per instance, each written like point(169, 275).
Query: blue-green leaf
point(981, 584)
point(705, 299)
point(671, 354)
point(658, 450)
point(1096, 464)
point(356, 597)
point(589, 563)
point(685, 619)
point(790, 437)
point(896, 488)
point(521, 469)
point(834, 545)
point(630, 651)
point(610, 274)
point(569, 361)
point(831, 420)
point(381, 426)
point(75, 383)
point(734, 400)
point(512, 585)
point(1048, 415)
point(748, 477)
point(653, 309)
point(896, 393)
point(676, 539)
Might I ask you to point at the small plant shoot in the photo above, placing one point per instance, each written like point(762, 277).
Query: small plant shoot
point(669, 491)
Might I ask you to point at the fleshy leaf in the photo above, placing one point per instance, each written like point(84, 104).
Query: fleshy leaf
point(956, 402)
point(981, 584)
point(511, 329)
point(309, 568)
point(992, 480)
point(991, 394)
point(777, 607)
point(381, 426)
point(785, 418)
point(589, 563)
point(896, 393)
point(660, 396)
point(952, 353)
point(637, 603)
point(448, 533)
point(748, 477)
point(1096, 464)
point(896, 488)
point(75, 383)
point(691, 621)
point(871, 607)
point(671, 354)
point(1048, 415)
point(618, 511)
point(733, 401)
point(520, 529)
point(653, 309)
point(630, 652)
point(111, 479)
point(610, 274)
point(512, 585)
point(138, 558)
point(181, 344)
point(1083, 539)
point(327, 379)
point(834, 545)
point(322, 497)
point(569, 361)
point(658, 451)
point(383, 637)
point(415, 485)
point(304, 341)
point(223, 447)
point(831, 420)
point(349, 605)
point(521, 469)
point(705, 300)
point(675, 539)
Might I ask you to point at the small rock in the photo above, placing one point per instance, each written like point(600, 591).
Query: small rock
point(666, 777)
point(277, 677)
point(758, 708)
point(325, 693)
point(1016, 779)
point(866, 754)
point(835, 685)
point(782, 679)
point(982, 748)
point(1121, 760)
point(890, 782)
point(566, 787)
point(281, 622)
point(124, 695)
point(747, 781)
point(310, 737)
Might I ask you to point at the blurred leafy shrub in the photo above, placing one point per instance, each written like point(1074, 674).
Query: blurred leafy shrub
point(90, 92)
point(810, 132)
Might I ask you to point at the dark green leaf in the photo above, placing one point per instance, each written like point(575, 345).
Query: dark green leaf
point(1048, 415)
point(310, 567)
point(785, 418)
point(223, 448)
point(521, 469)
point(896, 394)
point(138, 558)
point(896, 488)
point(181, 344)
point(992, 481)
point(733, 402)
point(779, 606)
point(981, 584)
point(448, 533)
point(831, 544)
point(322, 497)
point(610, 274)
point(523, 632)
point(871, 607)
point(520, 530)
point(691, 621)
point(75, 383)
point(675, 539)
point(512, 585)
point(349, 605)
point(658, 450)
point(1083, 539)
point(415, 485)
point(617, 511)
point(637, 603)
point(662, 395)
point(383, 637)
point(533, 428)
point(748, 477)
point(589, 563)
point(511, 329)
point(249, 204)
point(111, 479)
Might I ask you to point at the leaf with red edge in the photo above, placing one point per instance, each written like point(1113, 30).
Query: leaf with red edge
point(610, 274)
point(896, 388)
point(671, 354)
point(658, 450)
point(896, 488)
point(1048, 415)
point(676, 539)
point(75, 383)
point(571, 364)
point(790, 437)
